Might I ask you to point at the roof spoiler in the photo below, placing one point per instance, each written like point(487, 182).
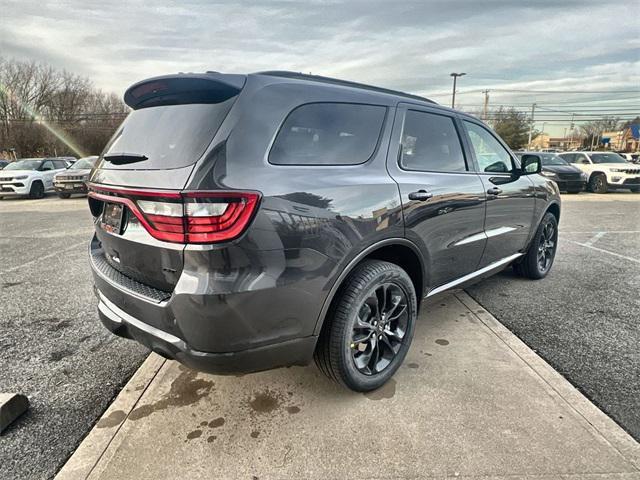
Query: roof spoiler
point(183, 88)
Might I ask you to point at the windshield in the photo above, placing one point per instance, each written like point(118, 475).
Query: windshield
point(551, 159)
point(84, 164)
point(170, 136)
point(26, 164)
point(606, 158)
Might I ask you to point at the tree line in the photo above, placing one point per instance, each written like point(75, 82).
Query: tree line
point(47, 112)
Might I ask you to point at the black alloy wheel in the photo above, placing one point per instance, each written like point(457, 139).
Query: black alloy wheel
point(369, 327)
point(380, 328)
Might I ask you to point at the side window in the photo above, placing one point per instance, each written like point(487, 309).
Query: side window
point(582, 158)
point(60, 164)
point(430, 143)
point(568, 157)
point(328, 134)
point(48, 165)
point(491, 155)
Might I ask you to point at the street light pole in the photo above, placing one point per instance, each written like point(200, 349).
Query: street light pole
point(453, 97)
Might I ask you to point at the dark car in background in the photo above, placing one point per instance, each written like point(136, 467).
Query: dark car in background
point(247, 222)
point(569, 178)
point(73, 180)
point(3, 163)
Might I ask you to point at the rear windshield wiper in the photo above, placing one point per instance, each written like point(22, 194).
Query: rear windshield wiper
point(123, 158)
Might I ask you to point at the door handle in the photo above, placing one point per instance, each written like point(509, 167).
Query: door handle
point(420, 195)
point(494, 191)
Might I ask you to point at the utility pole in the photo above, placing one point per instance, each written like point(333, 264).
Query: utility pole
point(453, 97)
point(485, 108)
point(571, 127)
point(533, 112)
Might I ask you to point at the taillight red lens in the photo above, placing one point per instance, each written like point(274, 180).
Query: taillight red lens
point(186, 217)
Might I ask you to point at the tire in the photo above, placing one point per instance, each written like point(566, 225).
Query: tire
point(373, 286)
point(598, 183)
point(573, 192)
point(635, 189)
point(64, 195)
point(530, 266)
point(36, 190)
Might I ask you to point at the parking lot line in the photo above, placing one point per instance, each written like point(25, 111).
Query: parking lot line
point(602, 250)
point(45, 257)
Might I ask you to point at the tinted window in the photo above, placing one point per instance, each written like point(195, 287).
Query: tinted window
point(26, 164)
point(328, 134)
point(171, 136)
point(607, 158)
point(60, 163)
point(430, 142)
point(551, 159)
point(48, 165)
point(491, 155)
point(568, 157)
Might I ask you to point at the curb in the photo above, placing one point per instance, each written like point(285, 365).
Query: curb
point(599, 421)
point(87, 455)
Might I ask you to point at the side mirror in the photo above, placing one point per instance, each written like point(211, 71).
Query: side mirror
point(530, 164)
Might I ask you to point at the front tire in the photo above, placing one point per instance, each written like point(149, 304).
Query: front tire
point(64, 195)
point(635, 189)
point(598, 183)
point(369, 328)
point(36, 190)
point(538, 260)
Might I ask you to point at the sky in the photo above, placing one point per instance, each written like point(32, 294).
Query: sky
point(589, 51)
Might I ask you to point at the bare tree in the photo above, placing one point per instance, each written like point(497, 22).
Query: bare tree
point(45, 111)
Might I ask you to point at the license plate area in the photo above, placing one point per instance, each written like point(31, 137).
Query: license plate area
point(112, 218)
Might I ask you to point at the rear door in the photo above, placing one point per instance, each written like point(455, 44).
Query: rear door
point(48, 170)
point(510, 197)
point(443, 199)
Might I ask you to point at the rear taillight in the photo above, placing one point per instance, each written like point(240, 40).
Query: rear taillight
point(186, 217)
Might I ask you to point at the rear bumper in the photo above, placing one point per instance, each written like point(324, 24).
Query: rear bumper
point(262, 324)
point(292, 352)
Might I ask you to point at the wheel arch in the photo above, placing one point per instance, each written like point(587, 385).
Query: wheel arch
point(400, 251)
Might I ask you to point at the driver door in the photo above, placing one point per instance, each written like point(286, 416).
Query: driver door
point(510, 196)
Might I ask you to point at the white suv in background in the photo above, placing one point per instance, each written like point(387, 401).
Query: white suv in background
point(606, 170)
point(30, 176)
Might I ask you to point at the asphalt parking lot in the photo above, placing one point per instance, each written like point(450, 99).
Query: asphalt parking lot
point(582, 319)
point(52, 347)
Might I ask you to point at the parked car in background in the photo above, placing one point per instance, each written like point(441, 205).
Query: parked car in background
point(69, 160)
point(630, 157)
point(248, 222)
point(73, 180)
point(30, 177)
point(606, 170)
point(569, 178)
point(3, 163)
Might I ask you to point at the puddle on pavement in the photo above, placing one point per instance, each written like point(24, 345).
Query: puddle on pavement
point(265, 402)
point(218, 422)
point(388, 390)
point(185, 390)
point(442, 341)
point(194, 434)
point(413, 365)
point(115, 418)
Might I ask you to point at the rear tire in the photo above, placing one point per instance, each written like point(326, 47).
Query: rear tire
point(573, 192)
point(598, 183)
point(36, 190)
point(538, 260)
point(64, 195)
point(369, 328)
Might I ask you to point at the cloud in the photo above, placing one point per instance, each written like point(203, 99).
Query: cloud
point(410, 45)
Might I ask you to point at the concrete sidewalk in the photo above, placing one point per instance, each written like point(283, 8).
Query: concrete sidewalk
point(470, 401)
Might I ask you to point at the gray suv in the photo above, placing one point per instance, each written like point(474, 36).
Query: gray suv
point(248, 222)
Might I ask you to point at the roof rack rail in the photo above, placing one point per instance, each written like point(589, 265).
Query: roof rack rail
point(344, 83)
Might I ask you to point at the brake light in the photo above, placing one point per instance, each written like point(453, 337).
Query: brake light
point(186, 217)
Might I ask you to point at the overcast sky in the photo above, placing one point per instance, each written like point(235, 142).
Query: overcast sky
point(411, 46)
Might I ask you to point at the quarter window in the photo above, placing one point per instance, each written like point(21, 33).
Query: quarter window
point(328, 134)
point(430, 142)
point(491, 155)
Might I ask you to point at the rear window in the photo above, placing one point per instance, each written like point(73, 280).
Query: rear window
point(328, 134)
point(170, 136)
